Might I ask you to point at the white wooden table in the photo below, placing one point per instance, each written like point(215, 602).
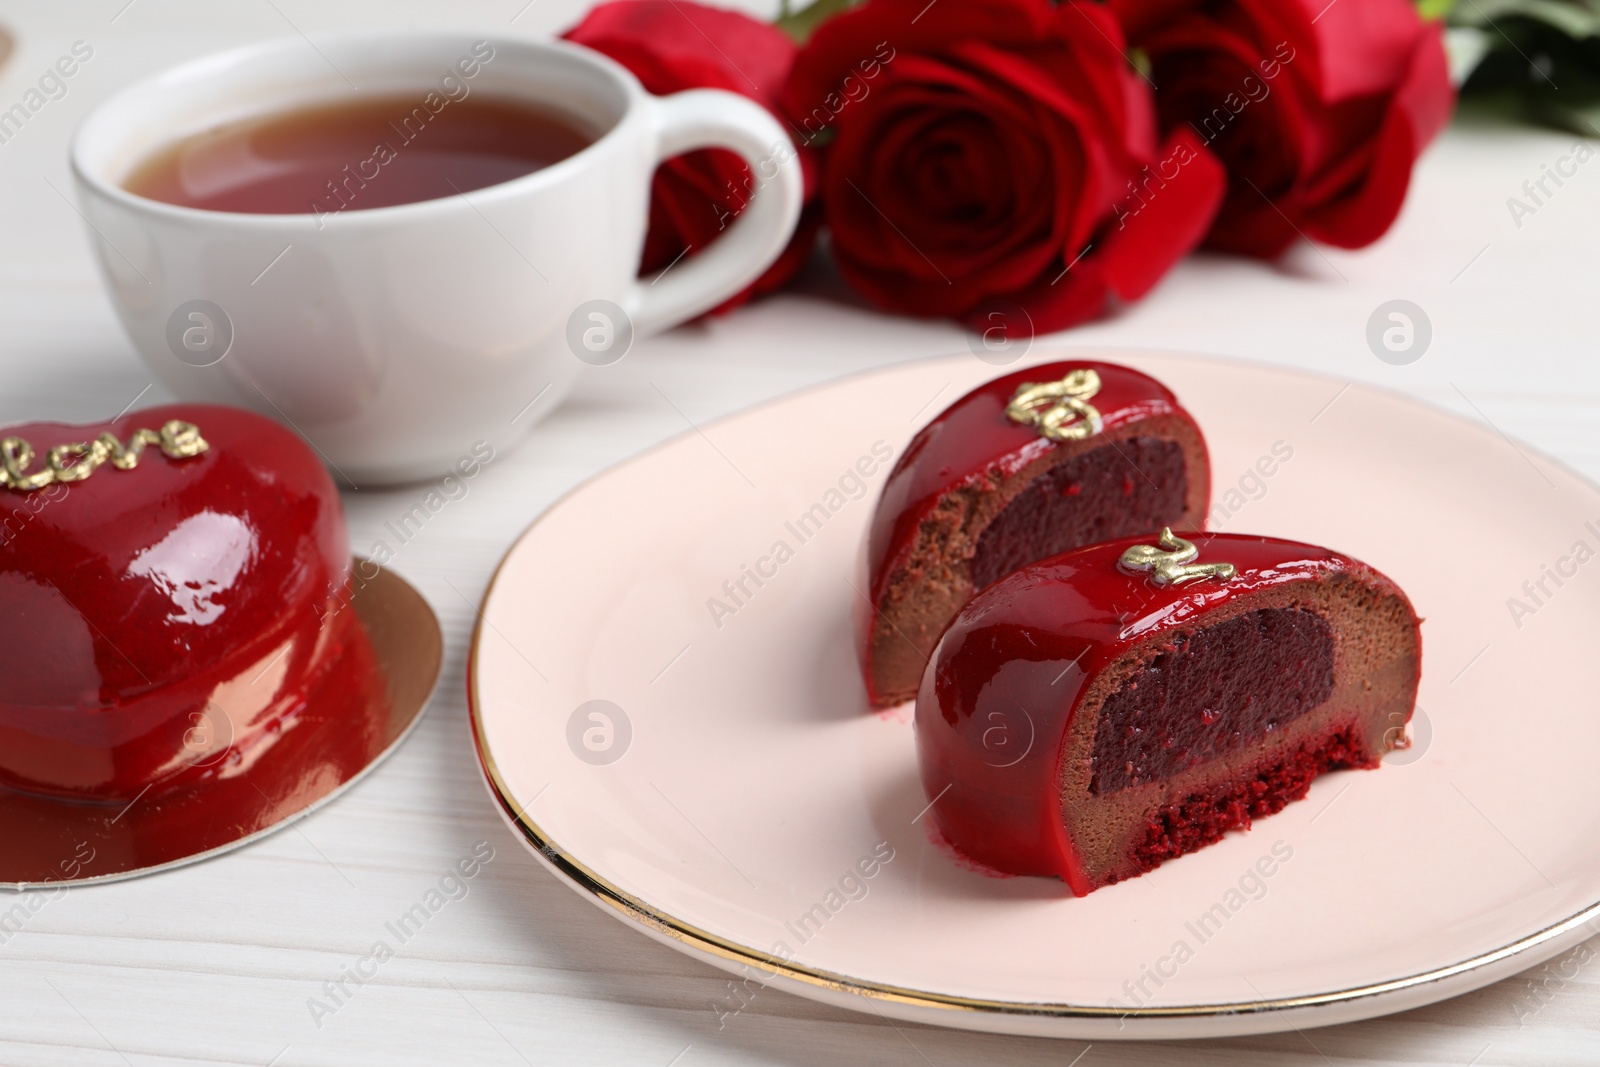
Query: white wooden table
point(217, 963)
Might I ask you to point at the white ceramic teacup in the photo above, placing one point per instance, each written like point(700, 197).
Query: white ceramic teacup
point(395, 338)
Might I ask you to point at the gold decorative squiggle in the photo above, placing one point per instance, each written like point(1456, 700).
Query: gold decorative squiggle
point(1059, 410)
point(76, 460)
point(1172, 563)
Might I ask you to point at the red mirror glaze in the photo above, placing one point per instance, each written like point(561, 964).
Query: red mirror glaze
point(160, 617)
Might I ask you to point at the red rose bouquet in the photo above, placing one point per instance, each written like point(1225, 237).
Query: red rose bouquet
point(976, 160)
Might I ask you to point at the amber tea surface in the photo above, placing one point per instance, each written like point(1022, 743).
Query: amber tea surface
point(378, 151)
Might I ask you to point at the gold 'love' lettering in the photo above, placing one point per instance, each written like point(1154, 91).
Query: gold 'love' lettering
point(1172, 563)
point(1058, 410)
point(76, 460)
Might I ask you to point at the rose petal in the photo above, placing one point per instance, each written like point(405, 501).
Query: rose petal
point(1102, 75)
point(887, 132)
point(1418, 110)
point(1169, 223)
point(1140, 19)
point(1359, 88)
point(1104, 172)
point(1362, 46)
point(880, 32)
point(672, 45)
point(694, 196)
point(1054, 301)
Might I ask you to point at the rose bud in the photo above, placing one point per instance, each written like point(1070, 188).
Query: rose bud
point(985, 155)
point(1317, 110)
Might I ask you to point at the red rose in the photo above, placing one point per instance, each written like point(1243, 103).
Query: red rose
point(673, 45)
point(987, 154)
point(1318, 110)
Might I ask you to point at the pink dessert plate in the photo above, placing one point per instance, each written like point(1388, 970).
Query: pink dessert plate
point(668, 711)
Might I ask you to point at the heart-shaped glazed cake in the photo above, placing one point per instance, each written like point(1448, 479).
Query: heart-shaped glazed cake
point(170, 586)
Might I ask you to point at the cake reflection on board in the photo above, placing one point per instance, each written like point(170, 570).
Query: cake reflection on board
point(348, 725)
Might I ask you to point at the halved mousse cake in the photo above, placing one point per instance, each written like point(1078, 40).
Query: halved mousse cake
point(1040, 461)
point(1100, 712)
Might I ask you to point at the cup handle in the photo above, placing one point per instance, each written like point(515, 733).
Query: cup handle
point(712, 118)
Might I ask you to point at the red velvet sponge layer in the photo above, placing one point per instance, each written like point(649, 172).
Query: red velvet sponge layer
point(1203, 819)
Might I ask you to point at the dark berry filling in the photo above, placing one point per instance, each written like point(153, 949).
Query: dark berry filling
point(1119, 489)
point(1212, 692)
